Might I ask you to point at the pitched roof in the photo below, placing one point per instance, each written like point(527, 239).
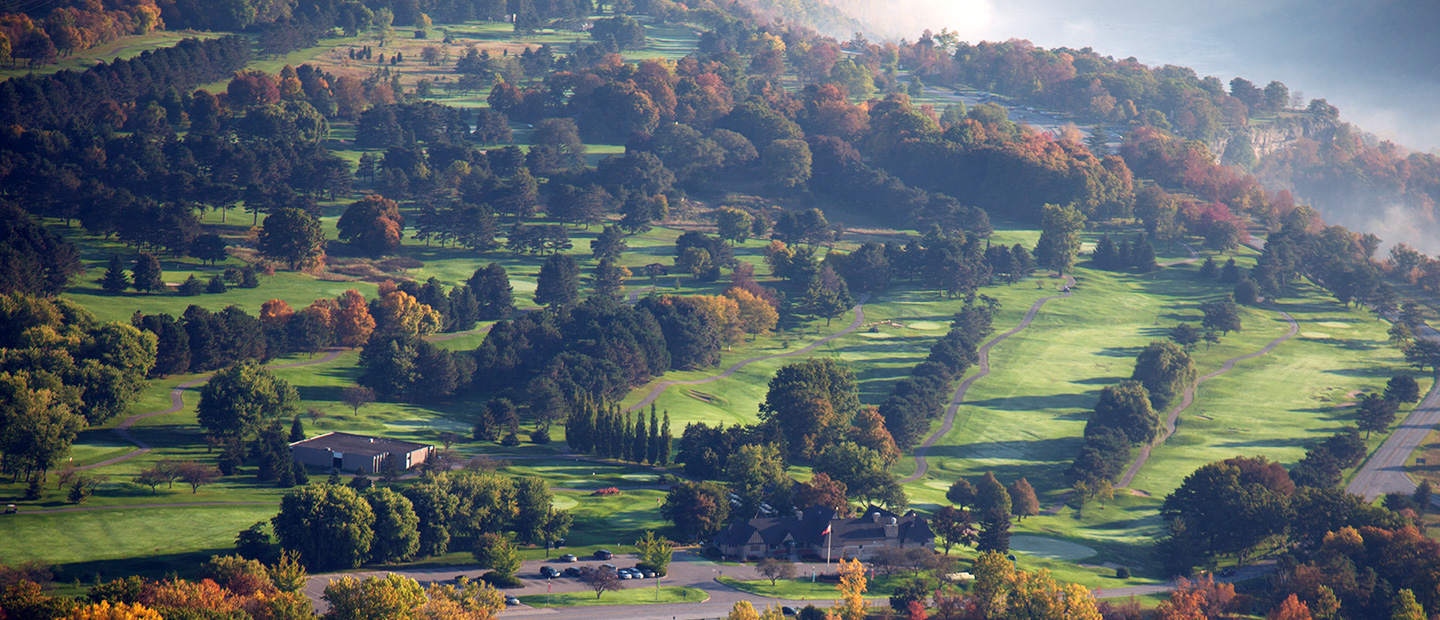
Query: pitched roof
point(806, 529)
point(349, 443)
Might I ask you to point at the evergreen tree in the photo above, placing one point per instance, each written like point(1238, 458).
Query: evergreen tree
point(665, 441)
point(652, 451)
point(146, 276)
point(334, 477)
point(216, 285)
point(617, 434)
point(638, 446)
point(1142, 256)
point(1230, 273)
point(991, 495)
point(1209, 269)
point(627, 440)
point(995, 532)
point(302, 477)
point(115, 280)
point(1106, 253)
point(190, 287)
point(297, 430)
point(558, 284)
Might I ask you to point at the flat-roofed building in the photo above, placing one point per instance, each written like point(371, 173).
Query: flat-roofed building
point(349, 452)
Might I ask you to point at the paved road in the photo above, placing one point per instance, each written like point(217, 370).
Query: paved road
point(1189, 397)
point(655, 392)
point(1384, 472)
point(688, 569)
point(921, 465)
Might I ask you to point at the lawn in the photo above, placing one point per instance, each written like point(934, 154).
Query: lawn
point(113, 543)
point(642, 594)
point(802, 589)
point(119, 49)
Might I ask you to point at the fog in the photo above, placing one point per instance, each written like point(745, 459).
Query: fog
point(1376, 60)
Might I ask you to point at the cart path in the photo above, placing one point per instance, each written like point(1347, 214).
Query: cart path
point(1189, 398)
point(655, 392)
point(1384, 471)
point(177, 402)
point(921, 465)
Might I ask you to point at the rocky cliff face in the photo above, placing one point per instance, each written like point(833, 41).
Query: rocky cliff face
point(1274, 135)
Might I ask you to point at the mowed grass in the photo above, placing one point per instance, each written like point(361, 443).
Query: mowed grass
point(802, 589)
point(113, 543)
point(639, 594)
point(119, 49)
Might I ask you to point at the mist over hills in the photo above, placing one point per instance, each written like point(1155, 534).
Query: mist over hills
point(1375, 60)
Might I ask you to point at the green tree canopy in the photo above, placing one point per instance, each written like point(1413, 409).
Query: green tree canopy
point(242, 398)
point(330, 526)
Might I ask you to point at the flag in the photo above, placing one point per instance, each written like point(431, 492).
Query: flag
point(826, 532)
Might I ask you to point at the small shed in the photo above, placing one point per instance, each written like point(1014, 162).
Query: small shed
point(350, 452)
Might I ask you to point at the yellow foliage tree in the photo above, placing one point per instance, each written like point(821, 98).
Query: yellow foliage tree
point(402, 314)
point(851, 605)
point(743, 610)
point(119, 611)
point(757, 316)
point(726, 314)
point(392, 597)
point(993, 576)
point(275, 313)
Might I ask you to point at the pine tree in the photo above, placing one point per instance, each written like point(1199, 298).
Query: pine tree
point(652, 451)
point(334, 477)
point(216, 285)
point(641, 439)
point(627, 436)
point(146, 276)
point(284, 472)
point(302, 477)
point(115, 280)
point(617, 434)
point(297, 430)
point(665, 440)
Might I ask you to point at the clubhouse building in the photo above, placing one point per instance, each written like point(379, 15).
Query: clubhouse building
point(816, 533)
point(348, 452)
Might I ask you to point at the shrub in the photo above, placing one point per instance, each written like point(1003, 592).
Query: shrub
point(606, 491)
point(501, 581)
point(1122, 573)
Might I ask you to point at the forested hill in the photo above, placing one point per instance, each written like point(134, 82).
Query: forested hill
point(1349, 176)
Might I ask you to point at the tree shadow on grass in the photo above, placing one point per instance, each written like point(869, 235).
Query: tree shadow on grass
point(186, 565)
point(1083, 400)
point(1286, 442)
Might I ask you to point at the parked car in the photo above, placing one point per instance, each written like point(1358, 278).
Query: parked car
point(569, 557)
point(649, 574)
point(787, 610)
point(510, 600)
point(609, 567)
point(549, 572)
point(626, 575)
point(603, 554)
point(573, 572)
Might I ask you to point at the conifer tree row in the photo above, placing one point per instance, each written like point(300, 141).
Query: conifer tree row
point(607, 432)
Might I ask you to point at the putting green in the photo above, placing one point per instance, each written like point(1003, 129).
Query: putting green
point(1334, 325)
point(564, 502)
point(924, 325)
point(639, 477)
point(938, 484)
point(1316, 335)
point(1049, 548)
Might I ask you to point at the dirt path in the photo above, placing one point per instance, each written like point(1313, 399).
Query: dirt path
point(177, 402)
point(1189, 398)
point(660, 388)
point(921, 465)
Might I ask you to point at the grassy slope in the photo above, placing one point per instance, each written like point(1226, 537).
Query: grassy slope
point(119, 49)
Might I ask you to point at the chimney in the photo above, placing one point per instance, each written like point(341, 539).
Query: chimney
point(892, 530)
point(875, 516)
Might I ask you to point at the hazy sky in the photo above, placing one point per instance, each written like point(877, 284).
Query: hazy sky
point(1378, 61)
